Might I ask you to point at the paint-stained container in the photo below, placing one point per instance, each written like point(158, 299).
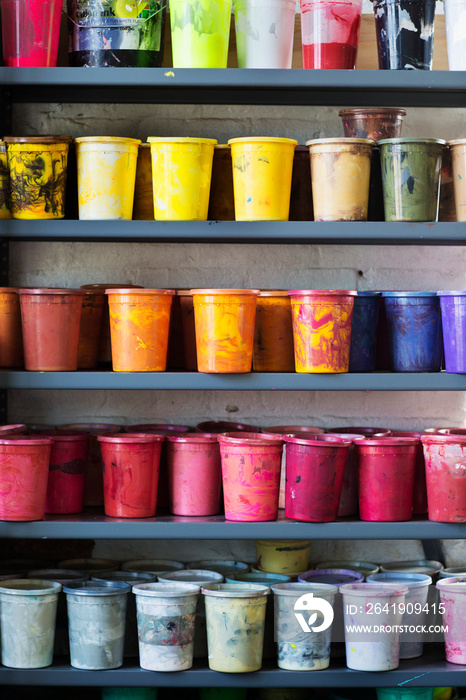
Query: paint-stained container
point(152, 566)
point(363, 430)
point(453, 597)
point(5, 208)
point(225, 426)
point(366, 568)
point(24, 470)
point(31, 32)
point(283, 556)
point(349, 499)
point(143, 205)
point(330, 33)
point(420, 489)
point(405, 33)
point(67, 471)
point(455, 21)
point(364, 331)
point(200, 33)
point(273, 333)
point(458, 161)
point(264, 33)
point(221, 200)
point(445, 458)
point(166, 621)
point(429, 567)
point(11, 334)
point(226, 567)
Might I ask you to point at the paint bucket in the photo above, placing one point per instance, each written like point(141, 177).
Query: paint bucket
point(24, 470)
point(143, 206)
point(373, 650)
point(364, 331)
point(314, 477)
point(38, 168)
point(262, 170)
point(273, 333)
point(5, 208)
point(349, 498)
point(12, 429)
point(152, 566)
point(452, 597)
point(429, 567)
point(118, 693)
point(445, 476)
point(116, 33)
point(130, 465)
point(414, 614)
point(330, 33)
point(405, 693)
point(386, 478)
point(235, 625)
point(200, 33)
point(340, 173)
point(447, 204)
point(373, 123)
point(28, 610)
point(452, 572)
point(455, 21)
point(97, 615)
point(405, 33)
point(221, 200)
point(50, 314)
point(106, 176)
point(201, 578)
point(414, 331)
point(365, 568)
point(322, 322)
point(67, 469)
point(194, 474)
point(282, 556)
point(90, 329)
point(131, 628)
point(166, 619)
point(224, 426)
point(264, 33)
point(367, 432)
point(458, 158)
point(11, 335)
point(251, 475)
point(181, 176)
point(300, 650)
point(333, 577)
point(301, 208)
point(411, 177)
point(31, 30)
point(139, 323)
point(90, 565)
point(189, 329)
point(224, 321)
point(420, 489)
point(226, 567)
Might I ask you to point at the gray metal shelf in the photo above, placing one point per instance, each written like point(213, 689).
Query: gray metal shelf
point(350, 232)
point(235, 86)
point(92, 524)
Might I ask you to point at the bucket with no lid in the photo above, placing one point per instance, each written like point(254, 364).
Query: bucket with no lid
point(67, 471)
point(349, 498)
point(282, 556)
point(11, 347)
point(24, 471)
point(330, 33)
point(225, 567)
point(420, 488)
point(273, 333)
point(365, 568)
point(152, 566)
point(202, 43)
point(453, 597)
point(455, 21)
point(453, 310)
point(364, 331)
point(264, 33)
point(221, 426)
point(31, 32)
point(453, 571)
point(428, 567)
point(373, 123)
point(445, 458)
point(405, 33)
point(91, 566)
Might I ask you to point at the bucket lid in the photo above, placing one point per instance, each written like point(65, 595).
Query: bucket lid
point(240, 292)
point(372, 112)
point(442, 439)
point(386, 441)
point(418, 566)
point(452, 293)
point(455, 584)
point(273, 293)
point(363, 567)
point(322, 292)
point(97, 588)
point(236, 590)
point(251, 439)
point(180, 139)
point(263, 139)
point(266, 579)
point(130, 577)
point(409, 294)
point(287, 429)
point(128, 438)
point(162, 589)
point(52, 291)
point(223, 426)
point(107, 139)
point(139, 291)
point(342, 140)
point(406, 578)
point(401, 140)
point(298, 589)
point(331, 576)
point(30, 587)
point(58, 575)
point(457, 142)
point(194, 438)
point(37, 139)
point(314, 442)
point(373, 589)
point(199, 576)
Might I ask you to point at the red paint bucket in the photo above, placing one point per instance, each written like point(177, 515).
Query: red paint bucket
point(349, 498)
point(420, 488)
point(386, 478)
point(13, 429)
point(131, 472)
point(67, 471)
point(194, 474)
point(314, 477)
point(24, 469)
point(445, 457)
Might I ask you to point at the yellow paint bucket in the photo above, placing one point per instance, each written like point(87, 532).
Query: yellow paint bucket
point(262, 169)
point(283, 556)
point(106, 176)
point(181, 175)
point(5, 212)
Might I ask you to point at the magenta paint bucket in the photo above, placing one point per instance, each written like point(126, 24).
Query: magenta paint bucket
point(453, 309)
point(445, 457)
point(349, 497)
point(420, 488)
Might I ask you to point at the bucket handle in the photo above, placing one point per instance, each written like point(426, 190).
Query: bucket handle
point(141, 20)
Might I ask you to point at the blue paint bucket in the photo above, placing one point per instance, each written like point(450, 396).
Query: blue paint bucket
point(364, 331)
point(414, 331)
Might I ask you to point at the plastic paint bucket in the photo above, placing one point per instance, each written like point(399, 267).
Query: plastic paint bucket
point(428, 567)
point(106, 176)
point(314, 477)
point(362, 430)
point(452, 596)
point(194, 474)
point(28, 610)
point(224, 321)
point(31, 30)
point(139, 324)
point(386, 478)
point(458, 161)
point(152, 566)
point(301, 208)
point(373, 650)
point(166, 618)
point(349, 498)
point(262, 170)
point(373, 123)
point(330, 33)
point(181, 176)
point(11, 335)
point(452, 572)
point(130, 465)
point(225, 567)
point(143, 206)
point(414, 331)
point(90, 566)
point(282, 556)
point(264, 33)
point(189, 329)
point(333, 577)
point(455, 22)
point(420, 489)
point(200, 33)
point(299, 650)
point(24, 469)
point(50, 320)
point(221, 200)
point(405, 33)
point(224, 426)
point(340, 173)
point(411, 178)
point(38, 168)
point(12, 429)
point(364, 331)
point(411, 644)
point(445, 459)
point(322, 322)
point(97, 615)
point(116, 33)
point(235, 626)
point(67, 470)
point(90, 329)
point(273, 333)
point(365, 568)
point(251, 475)
point(5, 208)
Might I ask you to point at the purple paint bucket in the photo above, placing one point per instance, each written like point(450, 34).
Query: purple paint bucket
point(453, 308)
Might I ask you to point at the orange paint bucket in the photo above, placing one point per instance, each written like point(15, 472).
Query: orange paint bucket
point(139, 325)
point(224, 321)
point(11, 336)
point(273, 333)
point(90, 329)
point(24, 471)
point(322, 329)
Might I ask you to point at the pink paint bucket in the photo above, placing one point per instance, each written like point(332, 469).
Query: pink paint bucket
point(251, 475)
point(24, 469)
point(67, 471)
point(194, 474)
point(420, 488)
point(445, 457)
point(453, 598)
point(349, 497)
point(314, 477)
point(31, 29)
point(386, 478)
